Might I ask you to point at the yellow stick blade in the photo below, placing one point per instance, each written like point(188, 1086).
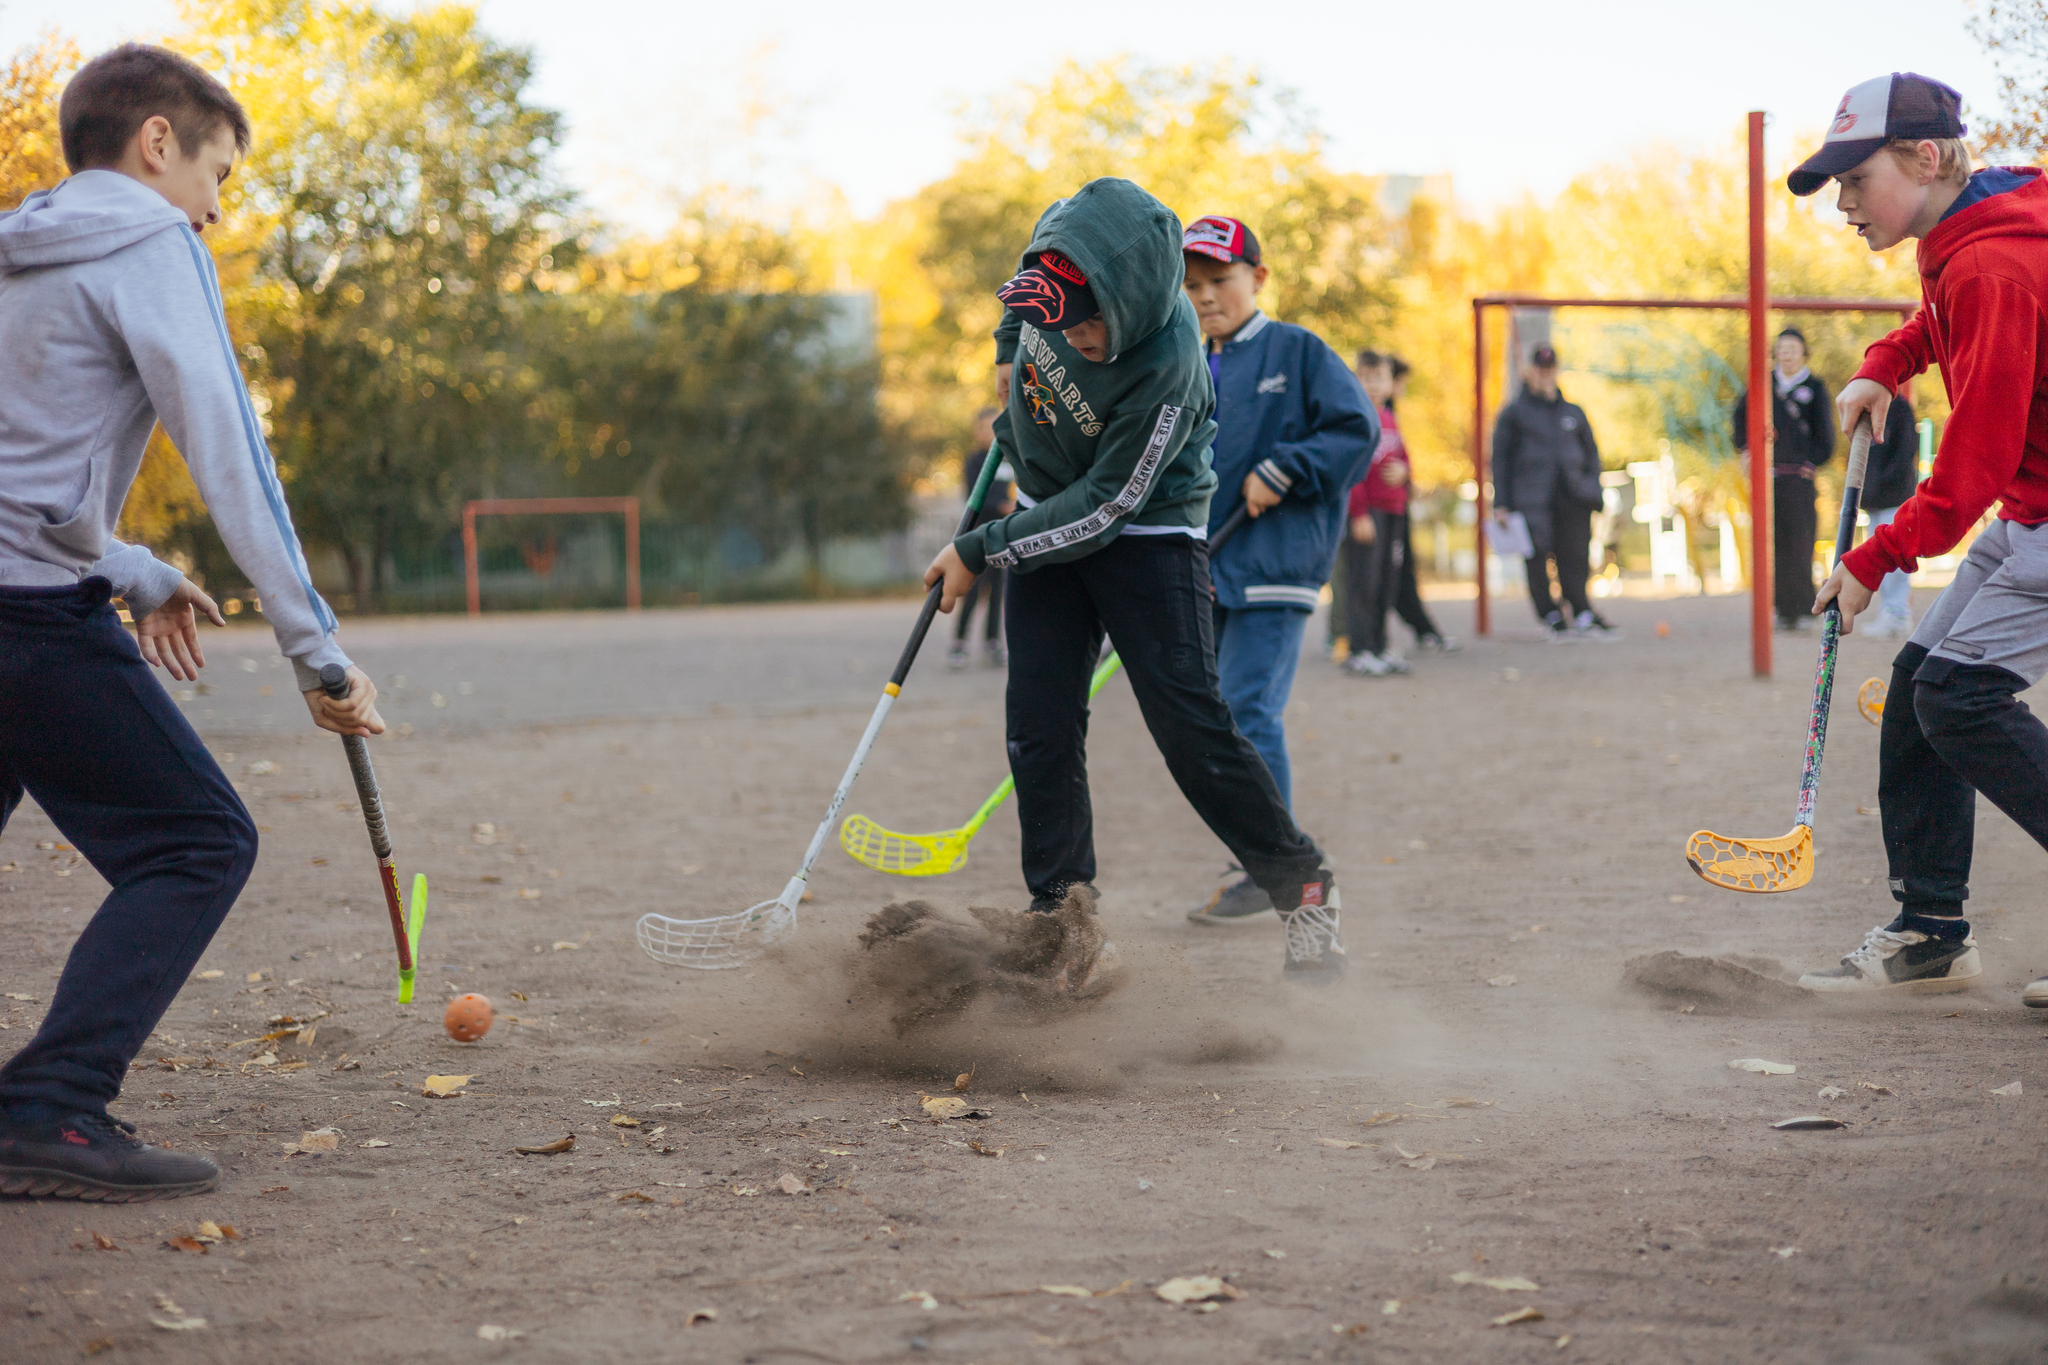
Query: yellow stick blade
point(1761, 865)
point(902, 855)
point(1870, 700)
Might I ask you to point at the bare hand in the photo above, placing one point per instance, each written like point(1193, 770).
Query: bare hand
point(1258, 495)
point(169, 636)
point(957, 577)
point(1003, 383)
point(1859, 396)
point(1363, 531)
point(355, 714)
point(1845, 588)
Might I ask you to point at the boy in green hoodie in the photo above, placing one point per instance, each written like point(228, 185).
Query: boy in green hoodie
point(1108, 427)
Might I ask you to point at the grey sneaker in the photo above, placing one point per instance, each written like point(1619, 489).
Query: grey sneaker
point(94, 1157)
point(2035, 993)
point(1366, 664)
point(1315, 952)
point(1235, 901)
point(956, 657)
point(1442, 644)
point(1590, 625)
point(997, 654)
point(1901, 960)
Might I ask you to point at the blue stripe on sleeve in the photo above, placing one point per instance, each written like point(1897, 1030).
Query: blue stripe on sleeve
point(252, 430)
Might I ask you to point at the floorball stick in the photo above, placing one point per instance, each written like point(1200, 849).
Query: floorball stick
point(934, 855)
point(1786, 862)
point(334, 681)
point(729, 940)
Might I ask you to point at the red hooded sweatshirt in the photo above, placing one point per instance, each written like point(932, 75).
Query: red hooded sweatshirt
point(1984, 320)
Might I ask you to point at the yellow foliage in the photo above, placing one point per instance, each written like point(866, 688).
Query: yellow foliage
point(163, 497)
point(31, 155)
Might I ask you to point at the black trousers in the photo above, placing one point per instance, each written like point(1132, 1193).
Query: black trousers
point(1949, 732)
point(1372, 573)
point(1407, 593)
point(1571, 535)
point(1152, 595)
point(92, 736)
point(1794, 525)
point(992, 626)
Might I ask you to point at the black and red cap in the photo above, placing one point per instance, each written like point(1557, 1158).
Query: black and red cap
point(1872, 114)
point(1222, 239)
point(1051, 293)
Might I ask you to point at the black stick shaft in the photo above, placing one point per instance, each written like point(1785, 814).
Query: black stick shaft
point(334, 682)
point(975, 498)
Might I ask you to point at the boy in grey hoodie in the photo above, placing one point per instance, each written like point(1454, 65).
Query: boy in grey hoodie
point(111, 321)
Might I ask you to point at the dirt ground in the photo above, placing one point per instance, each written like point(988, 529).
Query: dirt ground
point(1483, 1093)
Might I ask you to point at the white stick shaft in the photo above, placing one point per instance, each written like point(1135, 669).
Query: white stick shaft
point(860, 756)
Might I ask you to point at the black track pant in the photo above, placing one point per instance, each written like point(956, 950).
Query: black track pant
point(1794, 524)
point(1152, 595)
point(1408, 595)
point(1950, 731)
point(1571, 536)
point(992, 628)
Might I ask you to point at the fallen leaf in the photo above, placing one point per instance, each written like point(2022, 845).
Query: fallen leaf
point(550, 1148)
point(1784, 1253)
point(975, 1146)
point(490, 1331)
point(947, 1107)
point(1353, 1329)
point(1874, 1086)
point(1759, 1065)
point(218, 1232)
point(1421, 1164)
point(1519, 1315)
point(532, 893)
point(1503, 980)
point(2008, 1091)
point(1809, 1121)
point(1196, 1289)
point(963, 1080)
point(1465, 1102)
point(441, 1087)
point(1068, 1291)
point(562, 945)
point(1564, 1341)
point(746, 1191)
point(97, 1344)
point(633, 1197)
point(179, 1324)
point(1515, 1282)
point(17, 995)
point(374, 1142)
point(792, 1183)
point(1832, 1092)
point(1404, 1153)
point(836, 1151)
point(306, 1035)
point(1341, 1143)
point(698, 1315)
point(606, 1104)
point(918, 1297)
point(1390, 1307)
point(104, 1242)
point(253, 977)
point(319, 1140)
point(624, 1121)
point(1276, 1255)
point(1384, 1116)
point(213, 975)
point(183, 1243)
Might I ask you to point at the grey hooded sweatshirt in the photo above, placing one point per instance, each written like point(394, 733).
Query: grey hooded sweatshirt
point(110, 321)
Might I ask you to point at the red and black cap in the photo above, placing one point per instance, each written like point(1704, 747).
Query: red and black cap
point(1221, 239)
point(1050, 293)
point(1872, 114)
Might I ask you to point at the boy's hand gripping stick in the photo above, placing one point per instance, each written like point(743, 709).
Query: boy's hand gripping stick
point(334, 682)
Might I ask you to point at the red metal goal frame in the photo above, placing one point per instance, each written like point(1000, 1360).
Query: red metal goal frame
point(485, 507)
point(1758, 305)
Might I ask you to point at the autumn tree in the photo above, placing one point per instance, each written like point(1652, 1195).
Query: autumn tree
point(2015, 33)
point(31, 153)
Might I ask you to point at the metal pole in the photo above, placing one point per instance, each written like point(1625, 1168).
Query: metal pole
point(1482, 615)
point(632, 509)
point(1761, 568)
point(469, 574)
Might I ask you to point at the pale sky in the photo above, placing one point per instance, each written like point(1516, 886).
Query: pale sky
point(1507, 97)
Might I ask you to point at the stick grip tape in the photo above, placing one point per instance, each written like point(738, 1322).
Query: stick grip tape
point(1852, 487)
point(334, 682)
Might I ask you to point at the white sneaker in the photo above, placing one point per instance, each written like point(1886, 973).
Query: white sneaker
point(1367, 665)
point(1902, 960)
point(2035, 993)
point(1315, 952)
point(1886, 627)
point(1394, 662)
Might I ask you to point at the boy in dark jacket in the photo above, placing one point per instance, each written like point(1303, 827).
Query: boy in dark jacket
point(1952, 726)
point(1293, 433)
point(1108, 430)
point(1802, 439)
point(1546, 466)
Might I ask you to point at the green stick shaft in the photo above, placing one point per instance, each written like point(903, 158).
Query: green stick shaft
point(1009, 784)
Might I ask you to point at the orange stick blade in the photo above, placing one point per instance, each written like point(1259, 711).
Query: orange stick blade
point(1756, 865)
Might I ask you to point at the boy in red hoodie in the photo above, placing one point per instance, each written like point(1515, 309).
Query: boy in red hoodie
point(1953, 726)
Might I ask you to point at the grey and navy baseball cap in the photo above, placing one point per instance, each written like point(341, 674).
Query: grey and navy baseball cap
point(1872, 114)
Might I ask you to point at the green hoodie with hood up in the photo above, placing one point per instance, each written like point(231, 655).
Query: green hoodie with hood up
point(1101, 447)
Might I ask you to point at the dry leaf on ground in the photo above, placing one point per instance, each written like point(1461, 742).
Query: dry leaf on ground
point(633, 1197)
point(179, 1324)
point(183, 1243)
point(918, 1297)
point(1466, 1102)
point(1384, 1116)
point(1503, 980)
point(549, 1148)
point(624, 1121)
point(698, 1315)
point(1762, 1067)
point(1196, 1289)
point(792, 1183)
point(1519, 1315)
point(490, 1331)
point(975, 1146)
point(1874, 1087)
point(441, 1087)
point(1069, 1291)
point(319, 1140)
point(1805, 1121)
point(210, 1231)
point(1832, 1092)
point(1784, 1253)
point(2008, 1090)
point(964, 1079)
point(104, 1242)
point(1349, 1329)
point(746, 1191)
point(374, 1142)
point(947, 1107)
point(1341, 1144)
point(1515, 1282)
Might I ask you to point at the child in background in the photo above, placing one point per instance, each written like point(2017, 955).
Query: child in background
point(1408, 593)
point(1379, 574)
point(1001, 501)
point(1888, 481)
point(110, 309)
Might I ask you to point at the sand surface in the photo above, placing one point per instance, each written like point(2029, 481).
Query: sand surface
point(1485, 1093)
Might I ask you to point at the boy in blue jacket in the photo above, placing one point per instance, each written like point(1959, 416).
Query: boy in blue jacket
point(1294, 432)
point(1108, 431)
point(111, 321)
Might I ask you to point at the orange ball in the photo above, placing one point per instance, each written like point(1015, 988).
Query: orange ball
point(468, 1017)
point(1663, 630)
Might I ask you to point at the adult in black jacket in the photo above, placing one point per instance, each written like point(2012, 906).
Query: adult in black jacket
point(1546, 466)
point(1802, 439)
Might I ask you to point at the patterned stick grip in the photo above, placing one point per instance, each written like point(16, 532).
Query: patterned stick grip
point(334, 682)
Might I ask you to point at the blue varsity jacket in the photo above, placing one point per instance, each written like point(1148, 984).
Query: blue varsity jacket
point(1289, 409)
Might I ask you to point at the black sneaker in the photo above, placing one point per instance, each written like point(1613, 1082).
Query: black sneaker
point(93, 1156)
point(1046, 905)
point(1559, 629)
point(1903, 960)
point(1315, 953)
point(1237, 900)
point(1590, 625)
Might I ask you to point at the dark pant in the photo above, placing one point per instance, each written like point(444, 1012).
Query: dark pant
point(1794, 524)
point(1372, 573)
point(91, 735)
point(1408, 594)
point(992, 627)
point(1152, 595)
point(1950, 731)
point(1571, 535)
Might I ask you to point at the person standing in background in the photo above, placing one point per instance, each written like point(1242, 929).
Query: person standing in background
point(1802, 439)
point(1546, 466)
point(1892, 475)
point(1407, 592)
point(1001, 501)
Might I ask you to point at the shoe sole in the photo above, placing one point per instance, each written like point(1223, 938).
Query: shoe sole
point(2033, 999)
point(1934, 985)
point(63, 1185)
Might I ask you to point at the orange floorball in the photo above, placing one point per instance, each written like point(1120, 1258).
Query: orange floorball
point(468, 1017)
point(1663, 630)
